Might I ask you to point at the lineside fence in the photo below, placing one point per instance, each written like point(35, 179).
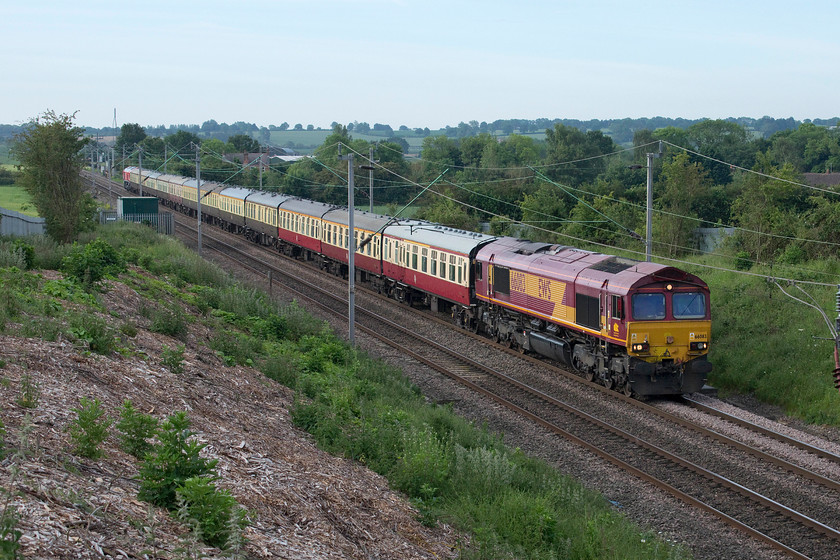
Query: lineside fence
point(162, 222)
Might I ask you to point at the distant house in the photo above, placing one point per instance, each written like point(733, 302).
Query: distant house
point(822, 179)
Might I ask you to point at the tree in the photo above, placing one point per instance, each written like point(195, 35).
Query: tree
point(182, 141)
point(724, 141)
point(574, 154)
point(50, 154)
point(768, 210)
point(130, 135)
point(243, 143)
point(686, 186)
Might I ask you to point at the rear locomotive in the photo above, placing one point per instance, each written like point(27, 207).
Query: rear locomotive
point(638, 327)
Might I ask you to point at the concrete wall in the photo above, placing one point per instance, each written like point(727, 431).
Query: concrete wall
point(19, 225)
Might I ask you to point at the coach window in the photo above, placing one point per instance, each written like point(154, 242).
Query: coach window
point(443, 265)
point(414, 257)
point(479, 274)
point(451, 268)
point(424, 260)
point(434, 263)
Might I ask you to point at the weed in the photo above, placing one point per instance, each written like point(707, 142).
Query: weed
point(26, 446)
point(136, 429)
point(281, 369)
point(94, 332)
point(173, 358)
point(236, 348)
point(30, 392)
point(169, 323)
point(9, 534)
point(89, 429)
point(129, 329)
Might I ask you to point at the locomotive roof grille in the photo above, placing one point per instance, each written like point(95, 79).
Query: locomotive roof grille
point(614, 265)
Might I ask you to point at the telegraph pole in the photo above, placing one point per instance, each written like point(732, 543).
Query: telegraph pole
point(370, 175)
point(140, 165)
point(649, 217)
point(198, 192)
point(351, 249)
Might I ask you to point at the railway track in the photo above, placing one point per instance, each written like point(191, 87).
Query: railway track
point(706, 479)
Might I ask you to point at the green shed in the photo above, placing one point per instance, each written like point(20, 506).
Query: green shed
point(137, 205)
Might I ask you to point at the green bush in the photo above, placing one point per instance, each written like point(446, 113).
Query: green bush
point(743, 260)
point(236, 348)
point(17, 253)
point(423, 464)
point(9, 535)
point(171, 462)
point(173, 358)
point(282, 369)
point(215, 512)
point(48, 253)
point(26, 252)
point(91, 263)
point(94, 332)
point(136, 430)
point(170, 323)
point(89, 429)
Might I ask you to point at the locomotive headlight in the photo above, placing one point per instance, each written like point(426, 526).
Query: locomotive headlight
point(698, 346)
point(640, 347)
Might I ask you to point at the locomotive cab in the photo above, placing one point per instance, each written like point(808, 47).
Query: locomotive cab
point(668, 332)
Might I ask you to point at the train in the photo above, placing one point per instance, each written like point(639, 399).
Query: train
point(637, 327)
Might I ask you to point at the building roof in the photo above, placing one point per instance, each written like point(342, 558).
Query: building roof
point(822, 179)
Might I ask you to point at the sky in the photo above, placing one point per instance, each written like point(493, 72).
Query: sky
point(418, 63)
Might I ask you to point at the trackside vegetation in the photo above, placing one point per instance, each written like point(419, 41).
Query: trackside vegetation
point(510, 505)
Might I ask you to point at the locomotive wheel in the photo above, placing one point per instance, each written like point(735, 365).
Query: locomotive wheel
point(627, 389)
point(589, 374)
point(609, 382)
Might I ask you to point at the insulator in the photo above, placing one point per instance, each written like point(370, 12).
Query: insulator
point(837, 378)
point(837, 300)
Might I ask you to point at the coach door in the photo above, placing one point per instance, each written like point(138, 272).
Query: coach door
point(491, 272)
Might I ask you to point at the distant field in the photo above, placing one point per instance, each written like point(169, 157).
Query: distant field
point(5, 158)
point(17, 199)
